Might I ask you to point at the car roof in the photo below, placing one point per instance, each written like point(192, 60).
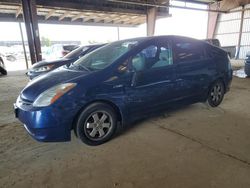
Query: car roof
point(164, 37)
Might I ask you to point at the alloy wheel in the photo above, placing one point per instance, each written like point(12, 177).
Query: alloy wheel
point(216, 93)
point(98, 125)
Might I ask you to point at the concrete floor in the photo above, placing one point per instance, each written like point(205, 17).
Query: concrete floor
point(192, 146)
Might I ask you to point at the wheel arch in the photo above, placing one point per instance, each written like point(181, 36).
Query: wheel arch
point(220, 78)
point(211, 84)
point(105, 101)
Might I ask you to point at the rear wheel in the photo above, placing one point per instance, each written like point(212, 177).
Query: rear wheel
point(216, 93)
point(96, 124)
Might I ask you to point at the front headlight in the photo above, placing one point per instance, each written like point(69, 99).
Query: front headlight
point(49, 96)
point(43, 68)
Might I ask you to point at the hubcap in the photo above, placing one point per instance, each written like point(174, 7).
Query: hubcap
point(98, 125)
point(216, 93)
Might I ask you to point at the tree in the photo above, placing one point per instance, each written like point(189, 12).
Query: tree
point(45, 41)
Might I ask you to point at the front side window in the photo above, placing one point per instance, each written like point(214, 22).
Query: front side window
point(187, 51)
point(154, 56)
point(105, 56)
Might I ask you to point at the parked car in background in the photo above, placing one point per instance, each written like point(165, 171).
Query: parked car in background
point(121, 82)
point(3, 71)
point(57, 51)
point(43, 67)
point(11, 57)
point(247, 64)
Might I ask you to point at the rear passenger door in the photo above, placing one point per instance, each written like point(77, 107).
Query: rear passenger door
point(193, 67)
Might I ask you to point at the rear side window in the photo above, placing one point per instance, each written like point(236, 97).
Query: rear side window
point(186, 51)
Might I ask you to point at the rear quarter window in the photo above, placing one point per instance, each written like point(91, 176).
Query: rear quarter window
point(214, 52)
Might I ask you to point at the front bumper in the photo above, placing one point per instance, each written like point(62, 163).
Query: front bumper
point(48, 124)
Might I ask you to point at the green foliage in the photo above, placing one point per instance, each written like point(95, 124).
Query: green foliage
point(45, 41)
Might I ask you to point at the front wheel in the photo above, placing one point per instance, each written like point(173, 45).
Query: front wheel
point(216, 94)
point(96, 124)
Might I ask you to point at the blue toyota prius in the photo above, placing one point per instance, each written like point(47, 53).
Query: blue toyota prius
point(119, 83)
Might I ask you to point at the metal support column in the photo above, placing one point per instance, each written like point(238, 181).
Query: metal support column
point(240, 32)
point(118, 33)
point(24, 49)
point(212, 22)
point(31, 24)
point(151, 18)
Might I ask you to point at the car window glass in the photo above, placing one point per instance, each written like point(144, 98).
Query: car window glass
point(150, 52)
point(153, 57)
point(106, 55)
point(188, 51)
point(165, 57)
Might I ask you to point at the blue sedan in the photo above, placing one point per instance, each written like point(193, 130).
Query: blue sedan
point(119, 83)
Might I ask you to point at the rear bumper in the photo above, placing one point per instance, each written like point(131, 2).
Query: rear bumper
point(228, 86)
point(47, 124)
point(228, 80)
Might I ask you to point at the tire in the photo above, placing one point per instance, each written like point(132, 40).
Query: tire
point(96, 124)
point(2, 70)
point(216, 94)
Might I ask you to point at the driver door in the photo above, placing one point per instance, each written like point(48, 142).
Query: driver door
point(153, 82)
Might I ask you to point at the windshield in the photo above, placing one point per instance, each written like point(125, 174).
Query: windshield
point(104, 56)
point(77, 52)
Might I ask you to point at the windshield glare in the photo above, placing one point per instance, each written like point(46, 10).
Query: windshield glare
point(104, 56)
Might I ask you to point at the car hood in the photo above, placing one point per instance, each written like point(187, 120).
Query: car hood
point(61, 61)
point(44, 82)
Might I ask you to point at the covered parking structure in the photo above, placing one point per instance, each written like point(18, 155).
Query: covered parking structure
point(127, 13)
point(87, 12)
point(187, 146)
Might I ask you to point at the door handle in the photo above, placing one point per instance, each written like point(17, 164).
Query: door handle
point(118, 86)
point(179, 79)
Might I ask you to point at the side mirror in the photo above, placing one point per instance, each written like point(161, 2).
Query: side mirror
point(122, 69)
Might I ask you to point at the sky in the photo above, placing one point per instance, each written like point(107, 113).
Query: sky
point(181, 22)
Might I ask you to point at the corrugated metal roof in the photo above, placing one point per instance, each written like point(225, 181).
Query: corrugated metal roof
point(223, 5)
point(90, 12)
